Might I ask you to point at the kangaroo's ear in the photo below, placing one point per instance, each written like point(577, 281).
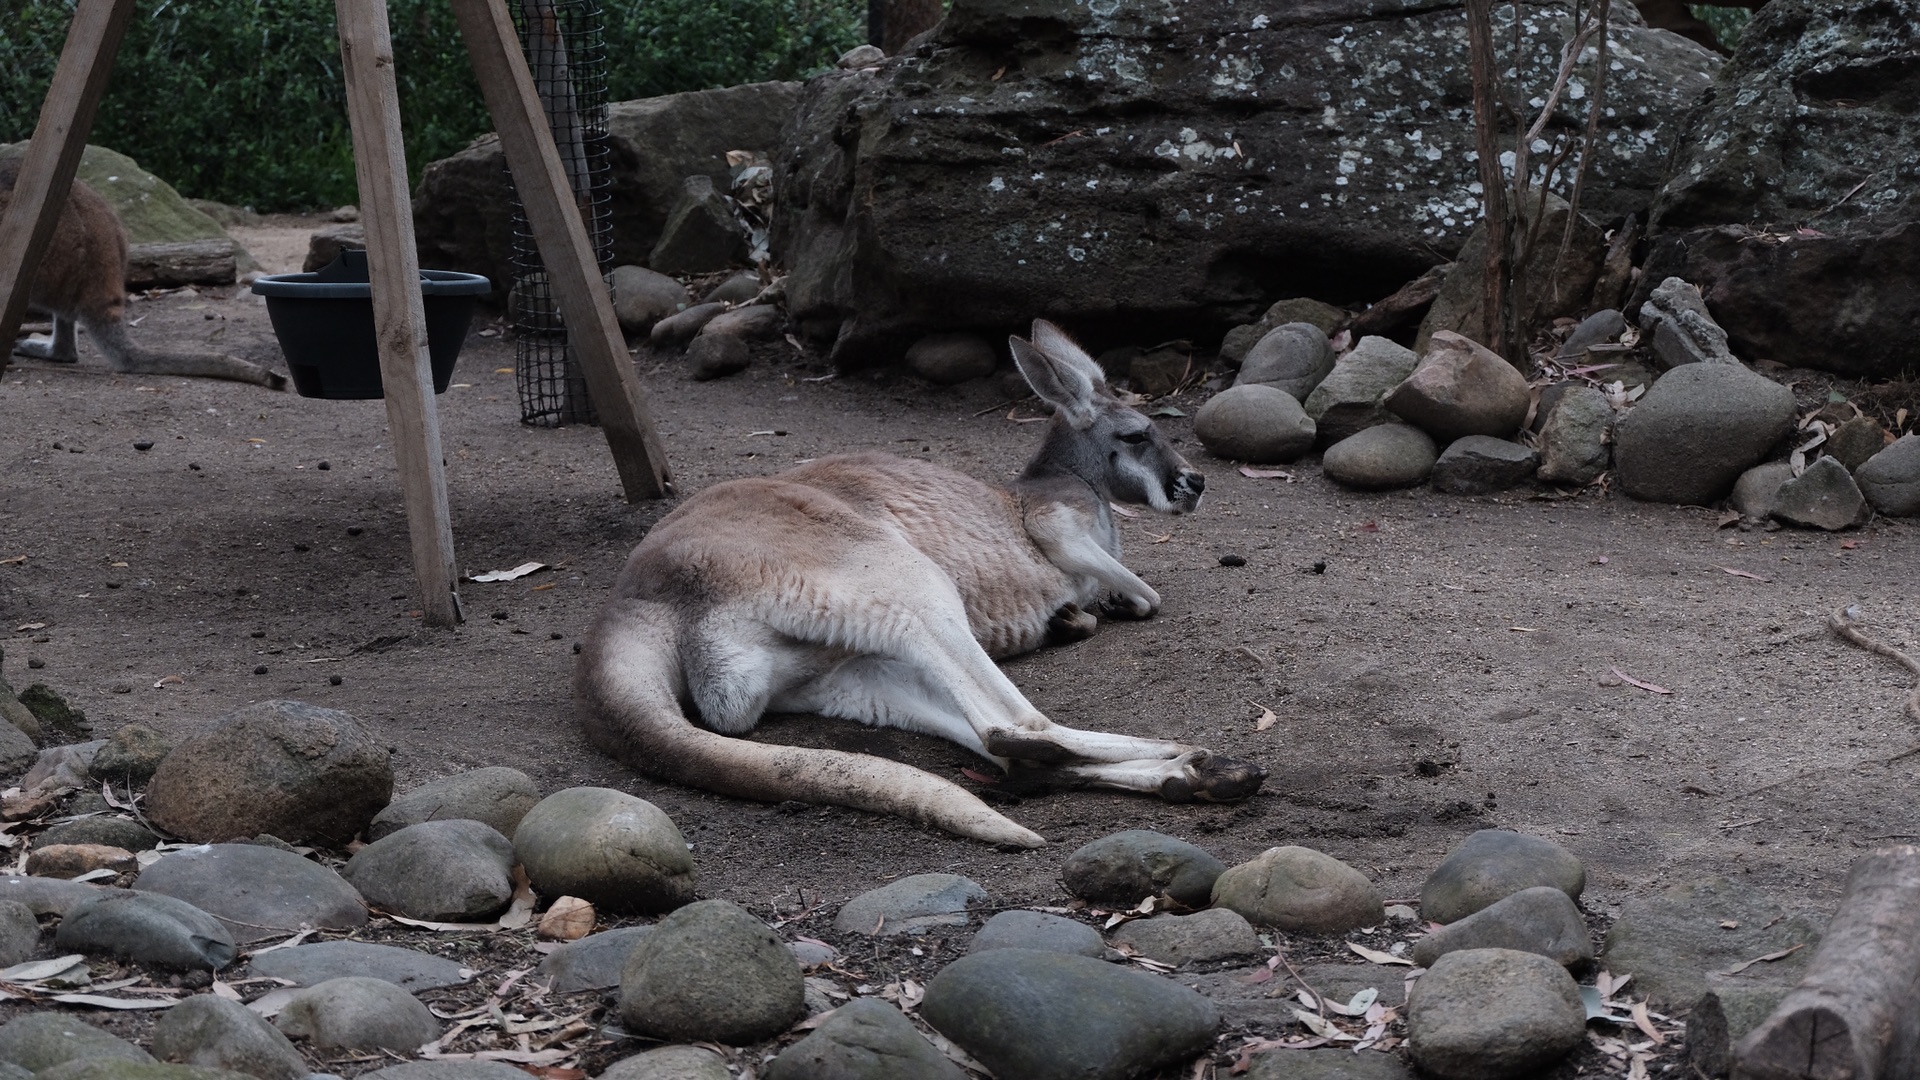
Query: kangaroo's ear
point(1059, 371)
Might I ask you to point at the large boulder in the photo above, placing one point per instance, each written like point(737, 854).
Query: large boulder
point(462, 217)
point(1214, 159)
point(1804, 125)
point(1697, 430)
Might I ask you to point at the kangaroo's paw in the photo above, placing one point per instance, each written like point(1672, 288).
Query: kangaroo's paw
point(1211, 777)
point(1132, 607)
point(1070, 624)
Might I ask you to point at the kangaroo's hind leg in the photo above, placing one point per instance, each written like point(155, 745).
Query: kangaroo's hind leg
point(61, 348)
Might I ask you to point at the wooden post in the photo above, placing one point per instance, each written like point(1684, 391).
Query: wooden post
point(1853, 1016)
point(46, 175)
point(561, 238)
point(399, 315)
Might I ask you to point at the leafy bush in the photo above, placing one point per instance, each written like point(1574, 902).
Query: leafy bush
point(1727, 22)
point(242, 100)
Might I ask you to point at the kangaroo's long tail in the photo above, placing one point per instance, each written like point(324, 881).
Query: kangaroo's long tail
point(125, 355)
point(627, 688)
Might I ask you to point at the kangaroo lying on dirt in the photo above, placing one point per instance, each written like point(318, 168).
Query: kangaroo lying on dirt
point(83, 278)
point(879, 589)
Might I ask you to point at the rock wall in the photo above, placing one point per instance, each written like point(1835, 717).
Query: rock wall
point(462, 215)
point(1150, 169)
point(1795, 192)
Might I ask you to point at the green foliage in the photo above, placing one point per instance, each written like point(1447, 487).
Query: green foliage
point(242, 100)
point(1727, 22)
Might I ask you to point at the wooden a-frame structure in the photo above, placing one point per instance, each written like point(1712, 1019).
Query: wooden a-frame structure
point(386, 208)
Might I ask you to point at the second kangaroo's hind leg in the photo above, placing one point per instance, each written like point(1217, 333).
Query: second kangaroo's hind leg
point(59, 349)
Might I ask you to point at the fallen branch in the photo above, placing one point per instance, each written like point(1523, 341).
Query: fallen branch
point(1842, 623)
point(1852, 1014)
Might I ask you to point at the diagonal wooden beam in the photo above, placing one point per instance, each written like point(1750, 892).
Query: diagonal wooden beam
point(567, 253)
point(46, 174)
point(399, 313)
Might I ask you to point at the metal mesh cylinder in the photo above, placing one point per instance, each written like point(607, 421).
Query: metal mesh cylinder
point(565, 44)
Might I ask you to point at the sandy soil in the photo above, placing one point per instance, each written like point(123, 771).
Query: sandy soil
point(1437, 664)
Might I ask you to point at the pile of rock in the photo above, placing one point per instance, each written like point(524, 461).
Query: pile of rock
point(1486, 989)
point(1464, 419)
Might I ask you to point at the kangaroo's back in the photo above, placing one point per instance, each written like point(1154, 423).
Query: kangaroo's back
point(84, 271)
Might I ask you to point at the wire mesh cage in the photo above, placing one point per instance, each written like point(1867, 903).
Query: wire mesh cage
point(565, 44)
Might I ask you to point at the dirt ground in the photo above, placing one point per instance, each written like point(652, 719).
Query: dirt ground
point(1437, 664)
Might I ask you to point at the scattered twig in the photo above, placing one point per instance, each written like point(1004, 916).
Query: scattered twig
point(1842, 623)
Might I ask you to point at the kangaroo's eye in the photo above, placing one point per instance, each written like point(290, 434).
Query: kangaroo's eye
point(1134, 437)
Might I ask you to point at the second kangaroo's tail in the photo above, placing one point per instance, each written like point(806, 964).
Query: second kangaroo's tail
point(124, 355)
point(628, 686)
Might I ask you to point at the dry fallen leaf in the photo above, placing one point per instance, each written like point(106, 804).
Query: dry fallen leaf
point(1731, 517)
point(1769, 958)
point(168, 680)
point(569, 919)
point(1744, 574)
point(1267, 720)
point(1631, 681)
point(12, 560)
point(520, 571)
point(1378, 957)
point(1265, 474)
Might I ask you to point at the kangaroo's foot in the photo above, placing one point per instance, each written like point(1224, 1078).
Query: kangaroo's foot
point(42, 348)
point(1211, 777)
point(1070, 624)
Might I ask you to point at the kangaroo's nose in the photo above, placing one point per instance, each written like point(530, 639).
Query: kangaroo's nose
point(1195, 482)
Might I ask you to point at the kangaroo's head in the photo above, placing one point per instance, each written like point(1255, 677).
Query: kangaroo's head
point(1109, 444)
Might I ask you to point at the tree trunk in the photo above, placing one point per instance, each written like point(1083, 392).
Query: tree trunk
point(1856, 1013)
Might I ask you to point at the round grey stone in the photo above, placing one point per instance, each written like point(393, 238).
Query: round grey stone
point(444, 871)
point(215, 1033)
point(1482, 465)
point(1488, 1014)
point(1027, 1013)
point(755, 322)
point(495, 795)
point(1215, 934)
point(257, 891)
point(311, 965)
point(1492, 865)
point(711, 971)
point(1037, 930)
point(124, 833)
point(1891, 478)
point(1540, 920)
point(715, 356)
point(1300, 889)
point(1383, 456)
point(117, 1069)
point(1574, 437)
point(1697, 429)
point(1855, 441)
point(37, 1041)
point(1675, 942)
point(298, 771)
point(910, 905)
point(1121, 869)
point(670, 1063)
point(594, 962)
point(738, 288)
point(1254, 422)
point(1348, 399)
point(1822, 497)
point(358, 1013)
point(446, 1070)
point(865, 1039)
point(130, 755)
point(148, 928)
point(642, 297)
point(948, 358)
point(1757, 491)
point(1461, 388)
point(675, 331)
point(617, 852)
point(19, 933)
point(1293, 358)
point(48, 896)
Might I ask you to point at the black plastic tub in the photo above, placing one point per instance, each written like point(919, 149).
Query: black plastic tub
point(324, 321)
